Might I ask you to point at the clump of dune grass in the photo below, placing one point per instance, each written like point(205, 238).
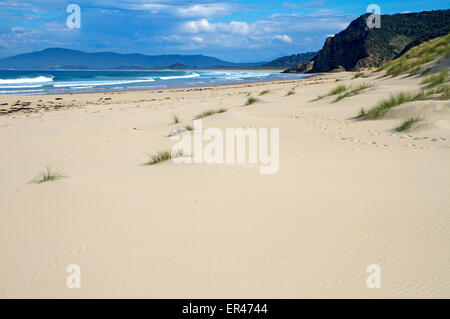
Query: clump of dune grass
point(415, 71)
point(290, 92)
point(436, 79)
point(337, 90)
point(443, 91)
point(407, 124)
point(342, 96)
point(425, 71)
point(163, 156)
point(319, 97)
point(251, 100)
point(358, 75)
point(48, 175)
point(175, 119)
point(385, 105)
point(362, 113)
point(353, 91)
point(264, 92)
point(209, 113)
point(398, 68)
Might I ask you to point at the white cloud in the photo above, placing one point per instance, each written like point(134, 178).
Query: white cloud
point(201, 25)
point(171, 38)
point(152, 7)
point(283, 38)
point(235, 27)
point(204, 10)
point(17, 29)
point(196, 9)
point(197, 39)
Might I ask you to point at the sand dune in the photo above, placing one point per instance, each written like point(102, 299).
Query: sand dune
point(348, 194)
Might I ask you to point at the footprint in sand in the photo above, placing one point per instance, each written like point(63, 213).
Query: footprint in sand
point(60, 260)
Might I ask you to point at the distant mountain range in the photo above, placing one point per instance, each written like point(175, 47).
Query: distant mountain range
point(359, 47)
point(58, 58)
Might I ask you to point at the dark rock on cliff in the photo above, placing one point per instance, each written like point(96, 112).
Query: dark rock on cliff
point(359, 47)
point(303, 67)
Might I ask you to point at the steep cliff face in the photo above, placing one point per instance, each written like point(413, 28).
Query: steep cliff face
point(343, 50)
point(359, 47)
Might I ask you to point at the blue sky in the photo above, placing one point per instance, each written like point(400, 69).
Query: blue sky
point(237, 30)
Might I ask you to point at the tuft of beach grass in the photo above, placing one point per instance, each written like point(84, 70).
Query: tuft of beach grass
point(337, 90)
point(353, 91)
point(250, 101)
point(417, 70)
point(175, 119)
point(264, 92)
point(362, 113)
point(290, 92)
point(163, 156)
point(408, 124)
point(48, 175)
point(436, 79)
point(209, 113)
point(385, 105)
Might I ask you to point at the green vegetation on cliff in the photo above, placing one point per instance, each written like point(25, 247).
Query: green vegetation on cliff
point(413, 60)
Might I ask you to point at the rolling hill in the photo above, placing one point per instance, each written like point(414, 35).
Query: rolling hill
point(58, 58)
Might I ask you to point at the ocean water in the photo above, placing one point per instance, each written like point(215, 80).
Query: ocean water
point(14, 82)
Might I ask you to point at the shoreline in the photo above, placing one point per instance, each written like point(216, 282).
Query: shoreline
point(144, 89)
point(39, 97)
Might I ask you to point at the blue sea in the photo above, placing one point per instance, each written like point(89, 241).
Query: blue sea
point(15, 82)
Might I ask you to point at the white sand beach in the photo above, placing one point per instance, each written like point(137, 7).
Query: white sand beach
point(348, 193)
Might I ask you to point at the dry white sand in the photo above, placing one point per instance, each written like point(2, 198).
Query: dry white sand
point(348, 194)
